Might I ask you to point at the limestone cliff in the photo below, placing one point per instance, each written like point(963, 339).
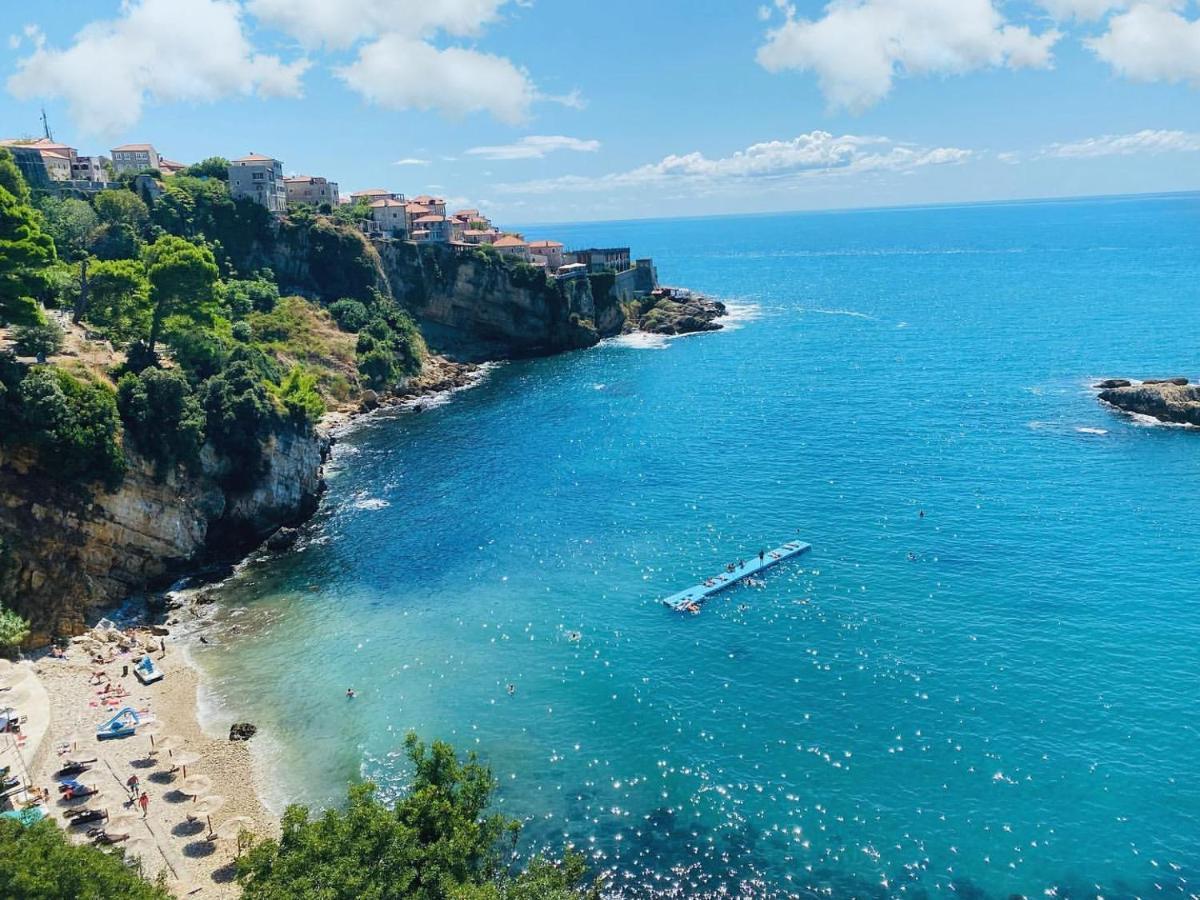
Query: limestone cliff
point(68, 550)
point(502, 309)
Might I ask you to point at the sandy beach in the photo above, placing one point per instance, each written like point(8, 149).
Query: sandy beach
point(193, 865)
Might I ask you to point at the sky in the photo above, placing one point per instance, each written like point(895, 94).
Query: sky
point(570, 110)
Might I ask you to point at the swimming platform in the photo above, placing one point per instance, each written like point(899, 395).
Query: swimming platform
point(694, 597)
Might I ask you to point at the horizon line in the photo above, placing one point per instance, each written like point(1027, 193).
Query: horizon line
point(949, 204)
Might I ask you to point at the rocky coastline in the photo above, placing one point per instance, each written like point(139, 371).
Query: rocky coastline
point(1172, 400)
point(667, 314)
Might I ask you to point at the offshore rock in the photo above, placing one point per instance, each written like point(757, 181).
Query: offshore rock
point(1166, 400)
point(242, 731)
point(1110, 383)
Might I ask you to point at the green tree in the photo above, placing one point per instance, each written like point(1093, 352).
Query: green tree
point(13, 628)
point(437, 843)
point(71, 223)
point(115, 242)
point(182, 277)
point(300, 397)
point(25, 249)
point(38, 340)
point(120, 299)
point(213, 167)
point(122, 207)
point(162, 417)
point(37, 862)
point(73, 424)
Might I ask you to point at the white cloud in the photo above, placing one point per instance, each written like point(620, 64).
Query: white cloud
point(411, 161)
point(159, 51)
point(342, 23)
point(815, 154)
point(402, 73)
point(1083, 10)
point(1148, 142)
point(1152, 42)
point(859, 47)
point(535, 146)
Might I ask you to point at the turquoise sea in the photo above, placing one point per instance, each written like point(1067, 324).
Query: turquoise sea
point(1001, 697)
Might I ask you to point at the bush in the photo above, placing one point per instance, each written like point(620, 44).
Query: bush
point(13, 629)
point(438, 842)
point(390, 347)
point(241, 297)
point(351, 315)
point(38, 340)
point(162, 417)
point(200, 352)
point(37, 862)
point(242, 332)
point(73, 424)
point(240, 416)
point(300, 398)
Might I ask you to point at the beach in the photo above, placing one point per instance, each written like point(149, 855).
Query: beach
point(193, 865)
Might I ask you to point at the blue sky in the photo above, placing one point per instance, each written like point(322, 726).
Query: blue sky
point(545, 110)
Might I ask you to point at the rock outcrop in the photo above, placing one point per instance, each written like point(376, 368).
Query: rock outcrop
point(669, 316)
point(1168, 400)
point(68, 550)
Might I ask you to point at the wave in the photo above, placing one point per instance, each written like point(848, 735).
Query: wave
point(851, 313)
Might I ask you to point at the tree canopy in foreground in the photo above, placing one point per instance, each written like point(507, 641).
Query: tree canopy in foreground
point(37, 862)
point(436, 843)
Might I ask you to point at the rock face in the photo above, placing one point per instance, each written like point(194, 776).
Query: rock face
point(468, 302)
point(1167, 400)
point(68, 549)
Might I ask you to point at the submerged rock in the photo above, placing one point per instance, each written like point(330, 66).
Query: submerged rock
point(1167, 401)
point(242, 731)
point(283, 539)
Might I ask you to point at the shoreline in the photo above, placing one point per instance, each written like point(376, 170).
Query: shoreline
point(193, 866)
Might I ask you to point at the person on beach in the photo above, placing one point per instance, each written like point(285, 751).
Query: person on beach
point(134, 785)
point(144, 803)
point(162, 645)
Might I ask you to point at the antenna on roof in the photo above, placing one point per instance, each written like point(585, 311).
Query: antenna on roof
point(46, 126)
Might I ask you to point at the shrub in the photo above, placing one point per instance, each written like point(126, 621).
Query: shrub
point(162, 417)
point(351, 315)
point(13, 628)
point(390, 347)
point(240, 416)
point(200, 352)
point(300, 398)
point(38, 340)
point(37, 862)
point(242, 332)
point(73, 424)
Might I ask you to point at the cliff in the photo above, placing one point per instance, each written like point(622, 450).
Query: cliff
point(478, 302)
point(1172, 400)
point(67, 550)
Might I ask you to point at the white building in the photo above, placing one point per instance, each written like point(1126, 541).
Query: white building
point(88, 168)
point(134, 158)
point(258, 178)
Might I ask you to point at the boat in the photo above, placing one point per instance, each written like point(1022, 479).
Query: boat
point(123, 724)
point(147, 672)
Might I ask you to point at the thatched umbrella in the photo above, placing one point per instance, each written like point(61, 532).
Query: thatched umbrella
point(185, 758)
point(231, 828)
point(196, 785)
point(169, 743)
point(205, 807)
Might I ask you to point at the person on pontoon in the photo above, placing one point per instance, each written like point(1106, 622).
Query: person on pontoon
point(762, 555)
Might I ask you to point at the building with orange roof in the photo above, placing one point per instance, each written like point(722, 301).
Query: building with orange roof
point(512, 245)
point(389, 217)
point(135, 158)
point(549, 251)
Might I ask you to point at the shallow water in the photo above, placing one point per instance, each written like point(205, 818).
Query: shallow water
point(999, 697)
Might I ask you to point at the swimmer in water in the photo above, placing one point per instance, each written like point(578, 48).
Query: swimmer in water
point(512, 689)
point(350, 694)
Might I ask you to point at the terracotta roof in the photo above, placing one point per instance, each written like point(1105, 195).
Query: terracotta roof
point(429, 219)
point(418, 209)
point(470, 213)
point(509, 241)
point(371, 192)
point(426, 199)
point(255, 157)
point(36, 144)
point(170, 164)
point(133, 147)
point(546, 244)
point(45, 151)
point(384, 203)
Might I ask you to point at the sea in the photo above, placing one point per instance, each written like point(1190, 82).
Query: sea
point(983, 681)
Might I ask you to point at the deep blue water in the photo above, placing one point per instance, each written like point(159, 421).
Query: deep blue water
point(1000, 697)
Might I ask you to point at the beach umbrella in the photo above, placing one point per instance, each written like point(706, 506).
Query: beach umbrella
point(138, 847)
point(231, 828)
point(185, 758)
point(205, 807)
point(169, 743)
point(197, 785)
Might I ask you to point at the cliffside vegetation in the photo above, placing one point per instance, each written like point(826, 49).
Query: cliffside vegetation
point(204, 347)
